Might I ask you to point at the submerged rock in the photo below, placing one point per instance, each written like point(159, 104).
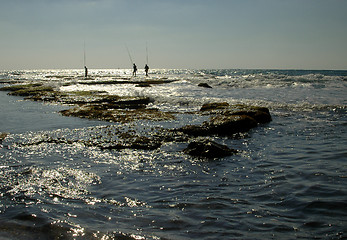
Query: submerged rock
point(195, 130)
point(208, 149)
point(124, 140)
point(205, 85)
point(134, 142)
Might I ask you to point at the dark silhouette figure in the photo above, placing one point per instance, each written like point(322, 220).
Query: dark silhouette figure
point(85, 71)
point(134, 70)
point(146, 69)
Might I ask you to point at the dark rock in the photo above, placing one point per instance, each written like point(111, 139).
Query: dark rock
point(208, 149)
point(195, 130)
point(107, 112)
point(143, 84)
point(214, 106)
point(133, 103)
point(32, 91)
point(14, 88)
point(205, 85)
point(259, 116)
point(89, 111)
point(2, 136)
point(221, 125)
point(138, 142)
point(126, 81)
point(229, 125)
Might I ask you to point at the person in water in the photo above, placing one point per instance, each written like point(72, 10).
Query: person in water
point(146, 69)
point(85, 71)
point(134, 70)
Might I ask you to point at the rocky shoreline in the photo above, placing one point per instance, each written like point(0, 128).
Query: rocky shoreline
point(225, 120)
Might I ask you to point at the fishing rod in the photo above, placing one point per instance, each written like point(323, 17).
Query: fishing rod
point(131, 60)
point(146, 53)
point(84, 54)
point(85, 60)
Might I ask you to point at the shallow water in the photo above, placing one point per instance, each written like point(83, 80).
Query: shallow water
point(287, 181)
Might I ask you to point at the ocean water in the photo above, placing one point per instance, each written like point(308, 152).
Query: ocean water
point(288, 180)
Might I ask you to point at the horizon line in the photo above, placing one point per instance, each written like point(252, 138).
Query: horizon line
point(283, 69)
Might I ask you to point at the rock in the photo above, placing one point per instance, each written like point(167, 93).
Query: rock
point(229, 125)
point(133, 142)
point(132, 103)
point(259, 116)
point(208, 149)
point(214, 106)
point(2, 136)
point(221, 125)
point(143, 84)
point(33, 91)
point(205, 85)
point(18, 87)
point(108, 113)
point(195, 130)
point(89, 111)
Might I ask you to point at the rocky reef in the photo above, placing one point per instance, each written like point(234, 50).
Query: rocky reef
point(224, 120)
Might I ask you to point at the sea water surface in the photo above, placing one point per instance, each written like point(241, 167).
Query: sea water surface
point(288, 180)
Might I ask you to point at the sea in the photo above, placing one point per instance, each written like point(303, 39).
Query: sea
point(287, 181)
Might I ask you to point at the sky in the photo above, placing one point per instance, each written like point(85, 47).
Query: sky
point(188, 34)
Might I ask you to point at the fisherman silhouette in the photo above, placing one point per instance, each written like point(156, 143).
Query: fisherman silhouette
point(135, 70)
point(146, 69)
point(85, 71)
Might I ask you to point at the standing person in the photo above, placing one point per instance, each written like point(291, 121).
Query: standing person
point(85, 71)
point(146, 69)
point(134, 70)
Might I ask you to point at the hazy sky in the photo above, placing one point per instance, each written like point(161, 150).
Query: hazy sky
point(301, 34)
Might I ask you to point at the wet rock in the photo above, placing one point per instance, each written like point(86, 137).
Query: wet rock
point(208, 149)
point(131, 103)
point(259, 114)
point(2, 136)
point(214, 106)
point(205, 85)
point(144, 84)
point(32, 90)
point(18, 87)
point(109, 113)
point(106, 108)
point(229, 125)
point(221, 125)
point(125, 140)
point(126, 81)
point(196, 130)
point(135, 142)
point(89, 111)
